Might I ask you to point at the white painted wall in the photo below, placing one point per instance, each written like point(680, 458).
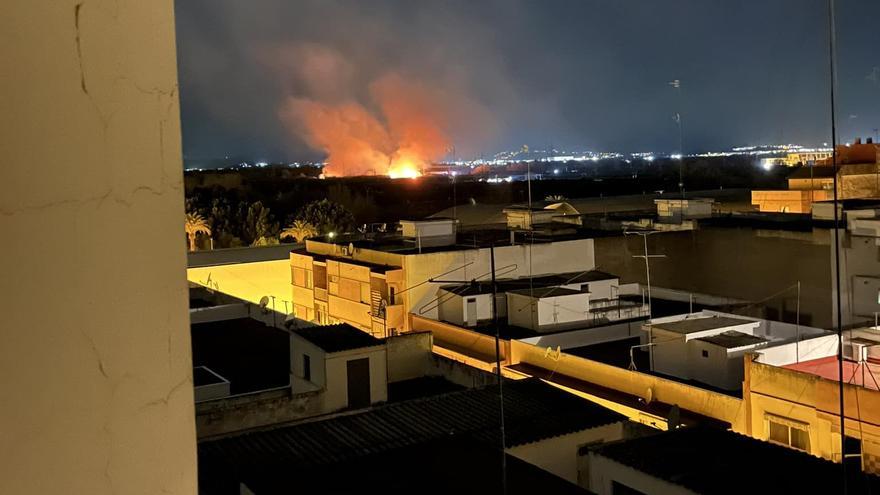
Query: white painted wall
point(298, 347)
point(559, 455)
point(548, 313)
point(516, 261)
point(604, 471)
point(669, 355)
point(96, 359)
point(336, 396)
point(722, 368)
point(805, 350)
point(588, 336)
point(454, 308)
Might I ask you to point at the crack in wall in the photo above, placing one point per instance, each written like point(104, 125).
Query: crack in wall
point(79, 57)
point(164, 400)
point(97, 354)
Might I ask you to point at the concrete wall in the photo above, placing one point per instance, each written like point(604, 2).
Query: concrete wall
point(793, 352)
point(860, 277)
point(548, 313)
point(249, 281)
point(96, 360)
point(336, 394)
point(737, 263)
point(469, 342)
point(254, 410)
point(814, 402)
point(510, 262)
point(299, 347)
point(720, 368)
point(604, 471)
point(589, 336)
point(712, 404)
point(409, 355)
point(218, 313)
point(559, 455)
point(669, 355)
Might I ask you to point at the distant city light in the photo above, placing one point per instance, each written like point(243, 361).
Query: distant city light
point(675, 156)
point(649, 158)
point(556, 171)
point(331, 235)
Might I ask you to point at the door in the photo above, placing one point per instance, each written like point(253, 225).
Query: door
point(358, 371)
point(471, 308)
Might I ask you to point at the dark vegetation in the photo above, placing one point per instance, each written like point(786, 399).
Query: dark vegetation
point(252, 206)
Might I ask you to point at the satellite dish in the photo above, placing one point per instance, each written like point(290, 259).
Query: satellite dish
point(350, 248)
point(264, 301)
point(649, 395)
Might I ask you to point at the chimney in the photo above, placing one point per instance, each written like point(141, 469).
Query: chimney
point(858, 140)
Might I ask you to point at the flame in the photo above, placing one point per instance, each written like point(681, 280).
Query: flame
point(404, 170)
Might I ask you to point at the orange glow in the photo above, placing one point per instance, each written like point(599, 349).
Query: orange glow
point(405, 170)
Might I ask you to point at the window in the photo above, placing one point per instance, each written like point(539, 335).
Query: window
point(705, 353)
point(307, 368)
point(788, 432)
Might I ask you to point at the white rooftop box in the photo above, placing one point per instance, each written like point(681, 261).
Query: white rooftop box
point(432, 232)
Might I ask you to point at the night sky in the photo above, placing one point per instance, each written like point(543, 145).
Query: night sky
point(588, 74)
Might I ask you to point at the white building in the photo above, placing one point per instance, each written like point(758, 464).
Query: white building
point(548, 308)
point(347, 364)
point(708, 347)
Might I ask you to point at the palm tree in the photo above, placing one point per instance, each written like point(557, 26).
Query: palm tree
point(195, 224)
point(299, 231)
point(555, 197)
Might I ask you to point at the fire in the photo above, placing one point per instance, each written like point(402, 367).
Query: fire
point(404, 170)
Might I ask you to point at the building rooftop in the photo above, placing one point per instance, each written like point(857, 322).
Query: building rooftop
point(693, 325)
point(239, 255)
point(733, 339)
point(442, 466)
point(713, 460)
point(337, 338)
point(251, 355)
point(507, 285)
point(818, 172)
point(865, 375)
point(542, 292)
point(533, 411)
point(322, 258)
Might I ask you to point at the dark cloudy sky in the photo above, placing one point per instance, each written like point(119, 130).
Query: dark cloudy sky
point(586, 74)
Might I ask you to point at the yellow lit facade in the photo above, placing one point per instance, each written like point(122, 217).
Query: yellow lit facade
point(328, 290)
point(806, 408)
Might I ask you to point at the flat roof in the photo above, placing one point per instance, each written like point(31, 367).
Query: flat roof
point(374, 267)
point(248, 353)
point(337, 338)
point(543, 292)
point(508, 285)
point(229, 256)
point(827, 368)
point(693, 325)
point(714, 460)
point(733, 339)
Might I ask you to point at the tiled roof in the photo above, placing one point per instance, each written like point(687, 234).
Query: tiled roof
point(713, 460)
point(533, 411)
point(337, 338)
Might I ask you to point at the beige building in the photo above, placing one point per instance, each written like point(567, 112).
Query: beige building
point(858, 176)
point(97, 377)
point(373, 284)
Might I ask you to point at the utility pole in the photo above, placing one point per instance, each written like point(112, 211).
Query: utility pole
point(498, 367)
